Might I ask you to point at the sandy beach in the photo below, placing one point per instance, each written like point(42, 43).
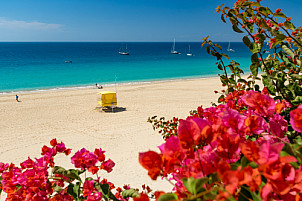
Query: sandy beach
point(71, 117)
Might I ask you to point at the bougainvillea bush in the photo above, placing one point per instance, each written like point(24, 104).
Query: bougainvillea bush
point(249, 146)
point(237, 150)
point(40, 179)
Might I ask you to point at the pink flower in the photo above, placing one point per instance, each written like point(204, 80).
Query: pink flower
point(108, 165)
point(296, 119)
point(61, 147)
point(84, 159)
point(95, 196)
point(255, 125)
point(233, 119)
point(262, 104)
point(3, 167)
point(88, 188)
point(278, 125)
point(194, 132)
point(269, 152)
point(27, 164)
point(171, 149)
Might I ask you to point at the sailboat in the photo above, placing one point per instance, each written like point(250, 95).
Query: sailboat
point(229, 49)
point(124, 51)
point(173, 51)
point(189, 53)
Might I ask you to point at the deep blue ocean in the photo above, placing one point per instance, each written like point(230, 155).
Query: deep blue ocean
point(41, 65)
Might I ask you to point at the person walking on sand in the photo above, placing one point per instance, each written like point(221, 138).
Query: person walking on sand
point(17, 98)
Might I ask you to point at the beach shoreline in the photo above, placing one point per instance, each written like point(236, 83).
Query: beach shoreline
point(108, 85)
point(71, 116)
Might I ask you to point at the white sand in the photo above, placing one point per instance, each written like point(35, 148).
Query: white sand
point(70, 116)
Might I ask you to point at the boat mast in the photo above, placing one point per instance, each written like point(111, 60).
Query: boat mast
point(174, 45)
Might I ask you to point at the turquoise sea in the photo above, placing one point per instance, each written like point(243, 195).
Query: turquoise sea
point(40, 66)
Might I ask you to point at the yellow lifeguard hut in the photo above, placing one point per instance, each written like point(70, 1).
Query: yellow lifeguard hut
point(107, 99)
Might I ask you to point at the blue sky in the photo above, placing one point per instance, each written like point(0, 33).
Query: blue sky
point(122, 20)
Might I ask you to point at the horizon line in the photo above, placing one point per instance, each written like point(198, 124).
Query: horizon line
point(114, 41)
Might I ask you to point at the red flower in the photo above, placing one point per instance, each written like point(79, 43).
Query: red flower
point(107, 165)
point(53, 142)
point(93, 169)
point(278, 10)
point(289, 39)
point(296, 119)
point(67, 152)
point(152, 162)
point(142, 197)
point(100, 154)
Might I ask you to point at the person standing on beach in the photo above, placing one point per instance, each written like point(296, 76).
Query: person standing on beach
point(17, 98)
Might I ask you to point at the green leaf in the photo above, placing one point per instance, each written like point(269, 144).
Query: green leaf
point(208, 49)
point(244, 162)
point(263, 11)
point(279, 15)
point(244, 194)
point(232, 81)
point(297, 100)
point(254, 69)
point(58, 170)
point(168, 197)
point(211, 195)
point(236, 29)
point(220, 66)
point(224, 55)
point(287, 51)
point(280, 37)
point(246, 41)
point(242, 80)
point(254, 48)
point(222, 18)
point(289, 25)
point(194, 186)
point(263, 24)
point(105, 188)
point(73, 190)
point(254, 58)
point(56, 188)
point(296, 76)
point(130, 193)
point(73, 174)
point(250, 26)
point(218, 46)
point(270, 86)
point(255, 196)
point(257, 4)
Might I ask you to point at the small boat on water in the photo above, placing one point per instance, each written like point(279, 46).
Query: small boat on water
point(229, 49)
point(189, 53)
point(68, 61)
point(124, 51)
point(173, 51)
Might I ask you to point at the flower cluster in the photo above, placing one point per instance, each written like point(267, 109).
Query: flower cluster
point(33, 180)
point(240, 147)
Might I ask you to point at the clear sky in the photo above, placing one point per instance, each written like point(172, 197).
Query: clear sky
point(122, 20)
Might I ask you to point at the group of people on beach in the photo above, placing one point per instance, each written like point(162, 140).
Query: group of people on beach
point(98, 86)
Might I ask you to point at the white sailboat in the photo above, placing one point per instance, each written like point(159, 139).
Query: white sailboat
point(189, 53)
point(124, 51)
point(229, 49)
point(173, 51)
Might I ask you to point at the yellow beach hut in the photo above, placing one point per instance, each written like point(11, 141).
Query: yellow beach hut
point(107, 99)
